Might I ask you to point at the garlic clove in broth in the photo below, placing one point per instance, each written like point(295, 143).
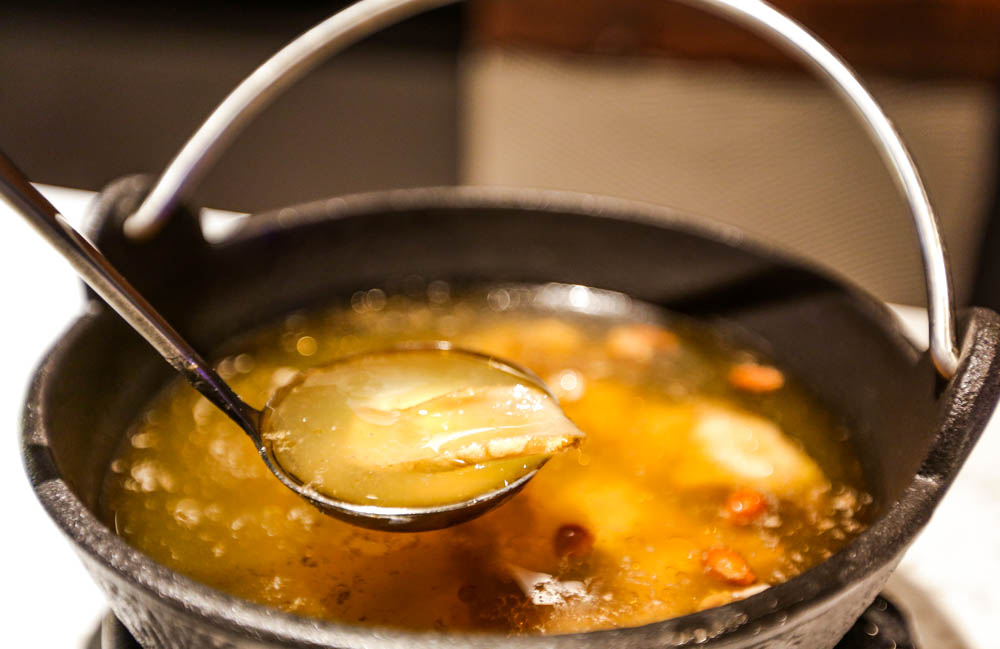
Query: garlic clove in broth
point(753, 451)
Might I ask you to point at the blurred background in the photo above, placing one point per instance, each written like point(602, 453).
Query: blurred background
point(642, 99)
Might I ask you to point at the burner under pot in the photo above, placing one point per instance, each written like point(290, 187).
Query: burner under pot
point(881, 626)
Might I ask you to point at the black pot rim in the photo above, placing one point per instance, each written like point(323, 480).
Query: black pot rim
point(759, 616)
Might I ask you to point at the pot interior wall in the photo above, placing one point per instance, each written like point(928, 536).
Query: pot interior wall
point(838, 341)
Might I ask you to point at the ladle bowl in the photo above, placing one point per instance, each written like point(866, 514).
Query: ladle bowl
point(405, 519)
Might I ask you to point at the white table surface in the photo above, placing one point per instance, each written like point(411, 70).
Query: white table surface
point(947, 582)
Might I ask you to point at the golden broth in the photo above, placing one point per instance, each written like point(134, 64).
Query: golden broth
point(691, 488)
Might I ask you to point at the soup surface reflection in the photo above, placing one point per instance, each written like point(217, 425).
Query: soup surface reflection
point(706, 475)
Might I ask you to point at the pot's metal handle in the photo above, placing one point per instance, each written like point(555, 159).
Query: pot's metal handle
point(357, 21)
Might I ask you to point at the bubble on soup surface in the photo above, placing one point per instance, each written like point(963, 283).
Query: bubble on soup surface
point(150, 476)
point(187, 512)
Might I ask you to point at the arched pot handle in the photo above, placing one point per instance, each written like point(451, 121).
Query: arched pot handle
point(366, 16)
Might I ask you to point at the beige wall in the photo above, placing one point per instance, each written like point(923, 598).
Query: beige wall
point(772, 152)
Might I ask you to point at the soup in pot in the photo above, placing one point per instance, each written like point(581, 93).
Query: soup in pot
point(706, 474)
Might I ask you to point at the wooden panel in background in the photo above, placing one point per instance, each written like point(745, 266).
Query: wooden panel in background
point(920, 38)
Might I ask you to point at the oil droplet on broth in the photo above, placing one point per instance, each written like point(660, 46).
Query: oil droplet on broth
point(414, 428)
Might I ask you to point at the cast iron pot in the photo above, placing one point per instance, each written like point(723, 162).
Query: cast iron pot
point(914, 416)
point(911, 429)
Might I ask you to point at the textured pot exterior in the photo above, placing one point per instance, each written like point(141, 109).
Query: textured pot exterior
point(913, 432)
point(157, 625)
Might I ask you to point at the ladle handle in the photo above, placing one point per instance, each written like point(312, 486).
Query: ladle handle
point(101, 276)
point(366, 16)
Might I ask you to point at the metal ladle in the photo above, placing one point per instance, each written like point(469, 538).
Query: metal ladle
point(101, 276)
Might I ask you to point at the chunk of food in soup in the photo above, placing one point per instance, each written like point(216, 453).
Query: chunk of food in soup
point(424, 427)
point(737, 448)
point(695, 483)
